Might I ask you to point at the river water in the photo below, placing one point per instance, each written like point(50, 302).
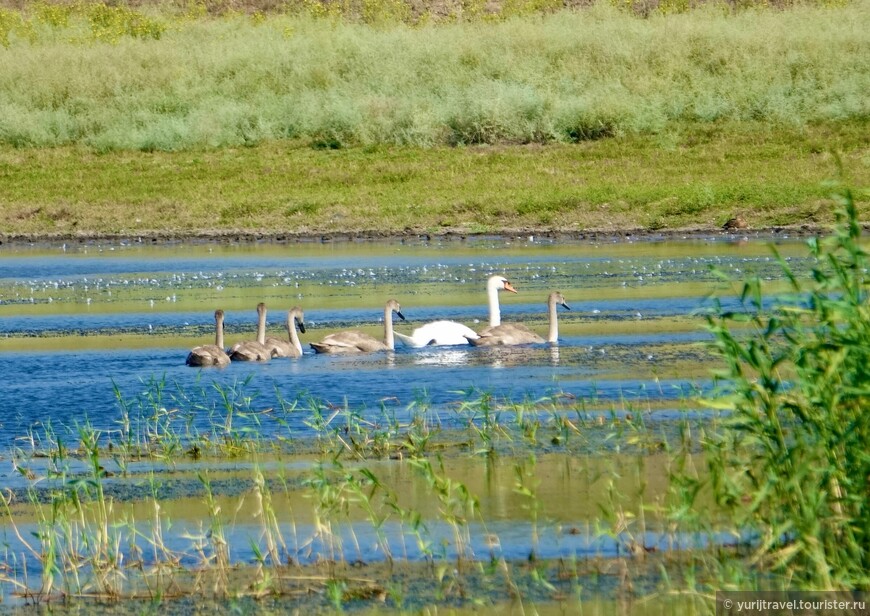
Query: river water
point(81, 324)
point(96, 335)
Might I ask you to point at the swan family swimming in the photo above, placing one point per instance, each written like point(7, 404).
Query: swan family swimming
point(436, 333)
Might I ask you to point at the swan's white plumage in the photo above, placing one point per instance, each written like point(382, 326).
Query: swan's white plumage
point(438, 333)
point(494, 284)
point(451, 333)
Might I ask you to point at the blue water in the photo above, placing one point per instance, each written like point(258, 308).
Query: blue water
point(622, 364)
point(360, 542)
point(68, 388)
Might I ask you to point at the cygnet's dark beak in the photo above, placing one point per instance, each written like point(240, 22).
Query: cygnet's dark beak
point(401, 316)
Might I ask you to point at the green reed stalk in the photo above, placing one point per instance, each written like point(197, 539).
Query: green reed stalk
point(268, 562)
point(104, 554)
point(287, 408)
point(365, 490)
point(525, 485)
point(218, 556)
point(164, 560)
point(329, 503)
point(788, 461)
point(457, 505)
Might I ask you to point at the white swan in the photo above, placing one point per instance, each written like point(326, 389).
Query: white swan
point(438, 333)
point(279, 347)
point(450, 333)
point(509, 334)
point(357, 342)
point(493, 285)
point(211, 354)
point(254, 350)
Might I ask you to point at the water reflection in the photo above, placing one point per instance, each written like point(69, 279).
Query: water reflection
point(554, 354)
point(444, 356)
point(567, 489)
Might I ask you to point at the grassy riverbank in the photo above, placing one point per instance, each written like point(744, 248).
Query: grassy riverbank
point(174, 121)
point(697, 176)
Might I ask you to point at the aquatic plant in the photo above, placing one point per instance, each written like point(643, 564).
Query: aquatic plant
point(788, 461)
point(357, 511)
point(457, 506)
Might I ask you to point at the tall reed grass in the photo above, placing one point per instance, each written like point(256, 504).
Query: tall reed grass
point(789, 463)
point(370, 532)
point(170, 82)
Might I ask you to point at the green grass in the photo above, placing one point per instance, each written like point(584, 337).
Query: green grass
point(693, 176)
point(169, 119)
point(110, 79)
point(402, 478)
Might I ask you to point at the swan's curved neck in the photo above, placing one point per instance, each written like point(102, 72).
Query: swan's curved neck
point(553, 335)
point(294, 336)
point(219, 334)
point(261, 327)
point(494, 310)
point(389, 340)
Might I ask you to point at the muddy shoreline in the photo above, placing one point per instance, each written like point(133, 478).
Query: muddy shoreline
point(246, 237)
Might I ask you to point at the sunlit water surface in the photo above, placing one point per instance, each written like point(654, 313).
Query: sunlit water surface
point(80, 323)
point(98, 334)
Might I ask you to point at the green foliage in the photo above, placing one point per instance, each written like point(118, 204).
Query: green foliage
point(790, 460)
point(11, 22)
point(384, 11)
point(99, 21)
point(370, 79)
point(512, 8)
point(53, 15)
point(110, 23)
point(647, 8)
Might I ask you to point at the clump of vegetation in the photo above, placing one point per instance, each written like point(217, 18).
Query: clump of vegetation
point(338, 74)
point(786, 465)
point(380, 505)
point(789, 462)
point(81, 22)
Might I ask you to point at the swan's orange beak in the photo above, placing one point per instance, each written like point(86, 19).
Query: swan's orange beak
point(509, 287)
